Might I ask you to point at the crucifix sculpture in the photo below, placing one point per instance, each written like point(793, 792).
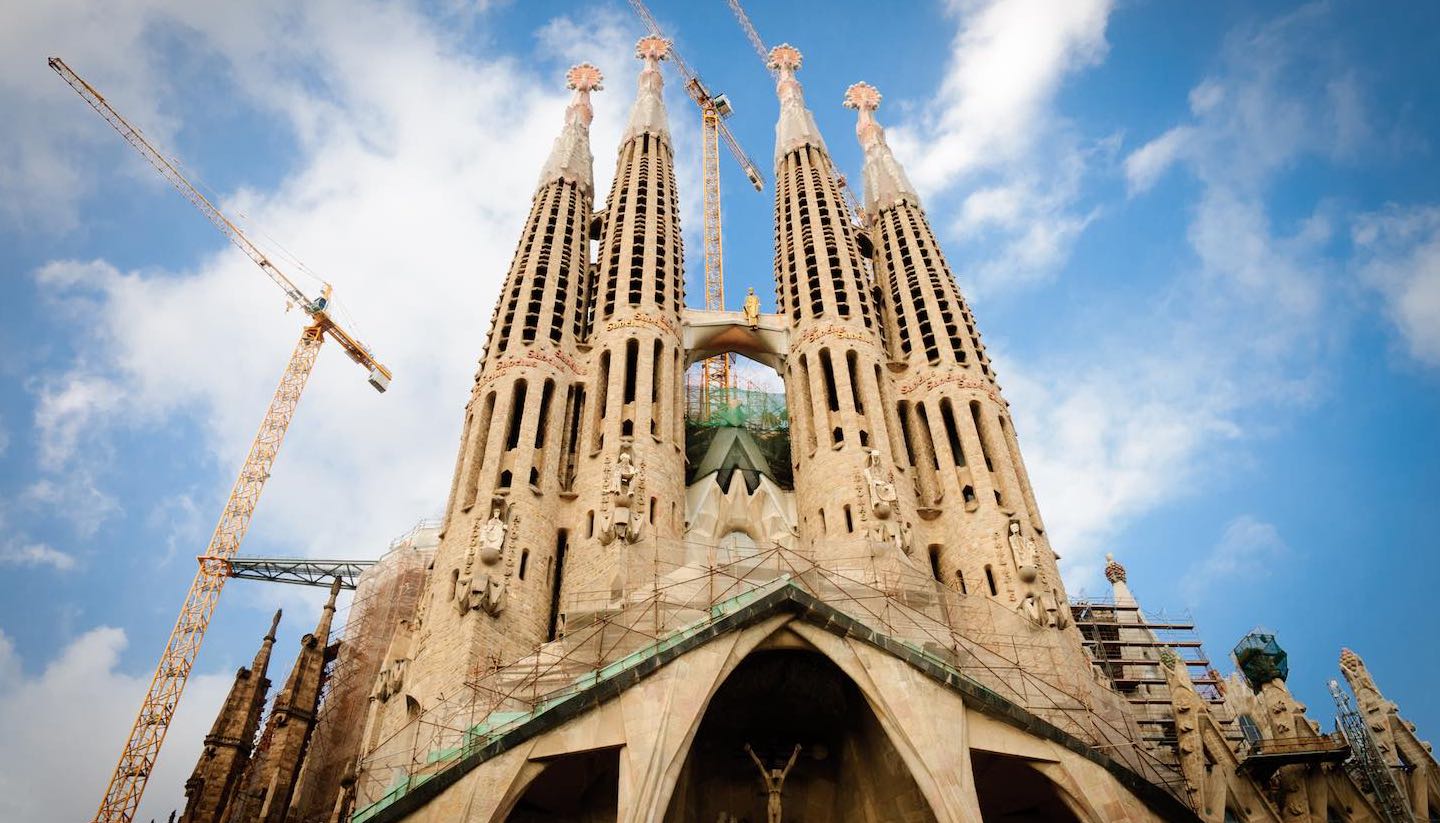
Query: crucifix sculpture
point(773, 779)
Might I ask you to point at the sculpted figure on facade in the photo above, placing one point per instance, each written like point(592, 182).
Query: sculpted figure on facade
point(621, 493)
point(752, 309)
point(484, 587)
point(492, 538)
point(882, 488)
point(1023, 550)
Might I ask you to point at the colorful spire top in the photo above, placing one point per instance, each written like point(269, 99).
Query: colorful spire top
point(796, 126)
point(647, 116)
point(584, 78)
point(570, 157)
point(885, 181)
point(652, 49)
point(785, 58)
point(1114, 572)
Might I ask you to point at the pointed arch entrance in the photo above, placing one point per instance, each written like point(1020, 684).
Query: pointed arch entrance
point(846, 767)
point(1012, 791)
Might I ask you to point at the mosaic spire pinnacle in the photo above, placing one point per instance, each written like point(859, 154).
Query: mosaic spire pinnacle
point(648, 113)
point(796, 126)
point(885, 181)
point(570, 158)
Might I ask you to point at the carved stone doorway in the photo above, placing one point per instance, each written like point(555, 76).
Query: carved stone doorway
point(847, 768)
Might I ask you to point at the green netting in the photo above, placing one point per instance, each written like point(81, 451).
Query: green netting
point(1261, 659)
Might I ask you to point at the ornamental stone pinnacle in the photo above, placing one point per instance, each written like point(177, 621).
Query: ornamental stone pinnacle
point(796, 126)
point(570, 158)
point(1114, 572)
point(885, 182)
point(652, 49)
point(647, 116)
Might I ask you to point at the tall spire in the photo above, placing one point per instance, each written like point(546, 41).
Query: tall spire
point(267, 794)
point(227, 748)
point(1115, 573)
point(570, 158)
point(796, 126)
point(885, 181)
point(648, 113)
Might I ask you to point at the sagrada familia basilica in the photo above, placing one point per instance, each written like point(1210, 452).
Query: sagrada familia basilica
point(852, 611)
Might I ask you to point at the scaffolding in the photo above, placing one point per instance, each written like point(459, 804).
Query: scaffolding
point(682, 592)
point(1365, 763)
point(1127, 645)
point(748, 406)
point(387, 592)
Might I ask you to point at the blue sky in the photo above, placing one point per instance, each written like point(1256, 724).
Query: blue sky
point(1203, 242)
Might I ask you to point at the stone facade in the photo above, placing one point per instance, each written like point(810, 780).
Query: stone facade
point(887, 637)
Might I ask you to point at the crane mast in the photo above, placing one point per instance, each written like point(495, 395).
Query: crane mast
point(716, 379)
point(147, 734)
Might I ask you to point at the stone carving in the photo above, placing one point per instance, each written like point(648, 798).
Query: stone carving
point(483, 588)
point(492, 538)
point(1023, 550)
point(752, 309)
point(881, 485)
point(1057, 613)
point(774, 780)
point(897, 534)
point(622, 497)
point(1370, 702)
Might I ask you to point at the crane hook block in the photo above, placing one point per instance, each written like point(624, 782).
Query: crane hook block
point(380, 380)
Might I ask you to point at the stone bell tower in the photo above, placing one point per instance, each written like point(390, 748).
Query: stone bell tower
point(489, 596)
point(979, 529)
point(843, 436)
point(631, 465)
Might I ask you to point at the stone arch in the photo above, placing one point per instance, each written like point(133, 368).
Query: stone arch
point(1013, 791)
point(582, 787)
point(778, 698)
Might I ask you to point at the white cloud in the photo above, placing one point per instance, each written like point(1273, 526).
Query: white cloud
point(1162, 395)
point(66, 410)
point(1148, 163)
point(63, 727)
point(1006, 63)
point(992, 128)
point(18, 553)
point(1246, 553)
point(1399, 256)
point(410, 202)
point(414, 159)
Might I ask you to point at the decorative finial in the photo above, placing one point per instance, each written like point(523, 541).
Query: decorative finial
point(274, 625)
point(584, 78)
point(1114, 572)
point(652, 47)
point(862, 97)
point(785, 57)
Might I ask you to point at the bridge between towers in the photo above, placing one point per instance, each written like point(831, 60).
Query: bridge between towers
point(708, 333)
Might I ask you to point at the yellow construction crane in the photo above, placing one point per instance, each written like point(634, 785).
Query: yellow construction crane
point(137, 759)
point(857, 213)
point(715, 377)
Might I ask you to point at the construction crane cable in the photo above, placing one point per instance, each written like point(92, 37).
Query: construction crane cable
point(137, 758)
point(751, 33)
